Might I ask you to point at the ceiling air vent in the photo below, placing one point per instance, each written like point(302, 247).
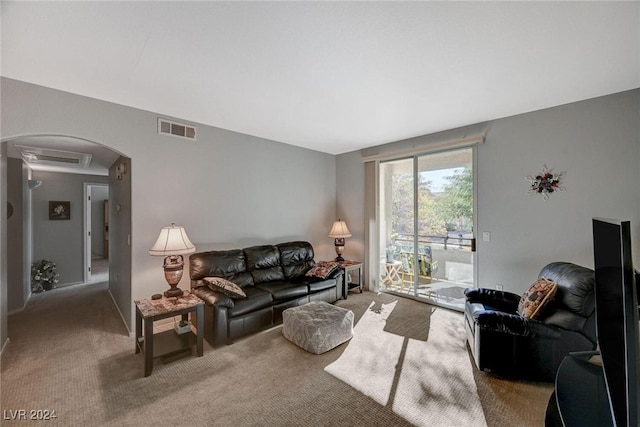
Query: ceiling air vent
point(176, 129)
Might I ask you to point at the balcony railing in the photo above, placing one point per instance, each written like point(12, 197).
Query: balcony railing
point(452, 240)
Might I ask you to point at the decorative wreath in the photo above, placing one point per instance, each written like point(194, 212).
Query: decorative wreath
point(545, 182)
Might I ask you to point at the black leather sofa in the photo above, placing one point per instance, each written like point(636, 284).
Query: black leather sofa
point(504, 342)
point(273, 279)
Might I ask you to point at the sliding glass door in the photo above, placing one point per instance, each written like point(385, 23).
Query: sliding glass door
point(426, 226)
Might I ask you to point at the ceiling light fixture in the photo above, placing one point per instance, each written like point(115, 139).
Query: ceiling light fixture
point(47, 156)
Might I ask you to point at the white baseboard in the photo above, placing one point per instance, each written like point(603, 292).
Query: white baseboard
point(17, 310)
point(20, 309)
point(4, 345)
point(64, 285)
point(124, 322)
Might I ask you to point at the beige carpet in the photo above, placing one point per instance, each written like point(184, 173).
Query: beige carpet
point(69, 353)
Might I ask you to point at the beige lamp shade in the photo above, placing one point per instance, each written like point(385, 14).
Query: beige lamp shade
point(173, 240)
point(339, 229)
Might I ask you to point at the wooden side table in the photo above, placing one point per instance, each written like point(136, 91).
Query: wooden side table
point(348, 282)
point(168, 342)
point(392, 272)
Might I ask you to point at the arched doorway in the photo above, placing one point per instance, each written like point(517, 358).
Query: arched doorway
point(44, 164)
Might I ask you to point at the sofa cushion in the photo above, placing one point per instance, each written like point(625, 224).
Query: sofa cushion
point(226, 287)
point(534, 300)
point(263, 256)
point(323, 269)
point(213, 298)
point(320, 285)
point(230, 265)
point(563, 318)
point(263, 262)
point(296, 258)
point(282, 290)
point(256, 299)
point(267, 275)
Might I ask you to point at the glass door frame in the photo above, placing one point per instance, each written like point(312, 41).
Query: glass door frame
point(379, 255)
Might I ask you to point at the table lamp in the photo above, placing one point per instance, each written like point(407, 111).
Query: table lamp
point(172, 243)
point(339, 231)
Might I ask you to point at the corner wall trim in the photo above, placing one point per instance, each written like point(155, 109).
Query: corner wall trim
point(124, 322)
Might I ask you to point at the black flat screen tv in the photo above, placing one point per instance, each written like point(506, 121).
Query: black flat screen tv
point(617, 318)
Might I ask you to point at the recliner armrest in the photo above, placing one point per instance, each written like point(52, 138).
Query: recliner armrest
point(500, 300)
point(513, 324)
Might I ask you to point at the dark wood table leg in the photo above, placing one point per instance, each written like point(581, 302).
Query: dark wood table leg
point(200, 329)
point(148, 346)
point(138, 330)
point(345, 285)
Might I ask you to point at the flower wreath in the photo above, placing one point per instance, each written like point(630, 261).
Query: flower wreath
point(545, 182)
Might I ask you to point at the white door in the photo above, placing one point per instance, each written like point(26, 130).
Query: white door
point(87, 232)
point(94, 232)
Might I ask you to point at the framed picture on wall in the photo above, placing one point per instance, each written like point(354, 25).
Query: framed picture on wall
point(59, 210)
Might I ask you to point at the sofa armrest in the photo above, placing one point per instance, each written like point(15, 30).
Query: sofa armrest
point(513, 324)
point(213, 298)
point(336, 274)
point(500, 300)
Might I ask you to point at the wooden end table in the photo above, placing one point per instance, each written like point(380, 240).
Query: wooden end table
point(168, 342)
point(349, 266)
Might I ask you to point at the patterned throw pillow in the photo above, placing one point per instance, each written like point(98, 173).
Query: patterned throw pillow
point(323, 269)
point(536, 297)
point(224, 286)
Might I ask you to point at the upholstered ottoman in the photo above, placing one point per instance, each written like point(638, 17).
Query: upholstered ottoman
point(317, 326)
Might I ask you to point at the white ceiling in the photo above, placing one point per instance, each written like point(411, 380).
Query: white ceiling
point(330, 76)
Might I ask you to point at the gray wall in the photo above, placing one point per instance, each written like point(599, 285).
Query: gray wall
point(596, 142)
point(18, 236)
point(4, 336)
point(227, 189)
point(61, 241)
point(350, 206)
point(120, 232)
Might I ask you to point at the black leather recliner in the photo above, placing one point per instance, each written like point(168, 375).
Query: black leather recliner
point(504, 342)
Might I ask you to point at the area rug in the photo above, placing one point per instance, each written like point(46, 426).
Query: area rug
point(422, 373)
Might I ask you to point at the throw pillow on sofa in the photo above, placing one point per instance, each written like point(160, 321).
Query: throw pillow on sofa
point(224, 286)
point(539, 294)
point(323, 269)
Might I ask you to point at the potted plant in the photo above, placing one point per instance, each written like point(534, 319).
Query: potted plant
point(43, 276)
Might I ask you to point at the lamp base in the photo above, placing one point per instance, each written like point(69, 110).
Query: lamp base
point(173, 292)
point(173, 267)
point(339, 245)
